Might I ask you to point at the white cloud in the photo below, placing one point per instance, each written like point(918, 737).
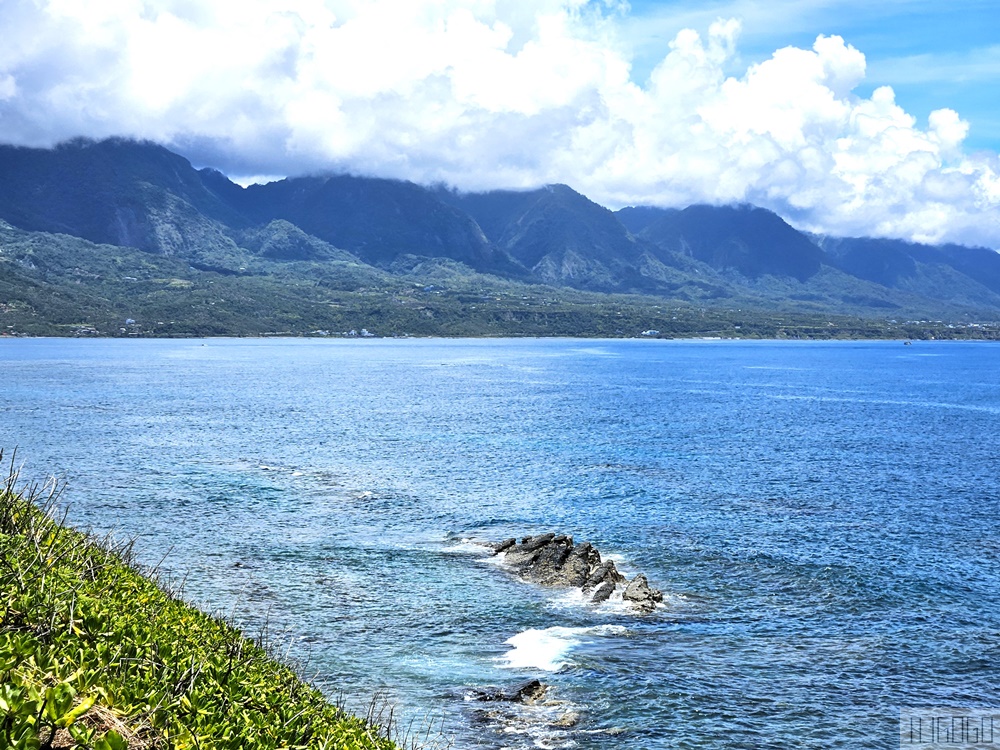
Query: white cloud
point(8, 87)
point(496, 93)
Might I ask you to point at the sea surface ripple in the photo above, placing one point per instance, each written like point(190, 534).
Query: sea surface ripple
point(821, 516)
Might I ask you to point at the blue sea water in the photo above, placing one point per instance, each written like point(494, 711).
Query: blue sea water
point(822, 518)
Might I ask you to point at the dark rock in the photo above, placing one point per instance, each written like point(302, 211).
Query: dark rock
point(503, 546)
point(580, 561)
point(527, 692)
point(554, 560)
point(547, 565)
point(604, 592)
point(606, 571)
point(531, 543)
point(532, 549)
point(519, 558)
point(485, 716)
point(640, 595)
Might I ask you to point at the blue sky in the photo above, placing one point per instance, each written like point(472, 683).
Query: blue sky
point(846, 117)
point(933, 54)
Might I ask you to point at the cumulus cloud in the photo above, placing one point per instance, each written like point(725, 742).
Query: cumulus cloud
point(496, 93)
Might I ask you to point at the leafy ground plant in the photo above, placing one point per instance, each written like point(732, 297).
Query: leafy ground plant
point(95, 655)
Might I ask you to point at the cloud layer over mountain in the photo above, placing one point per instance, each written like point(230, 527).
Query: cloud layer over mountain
point(497, 93)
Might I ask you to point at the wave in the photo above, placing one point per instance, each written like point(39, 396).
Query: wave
point(548, 649)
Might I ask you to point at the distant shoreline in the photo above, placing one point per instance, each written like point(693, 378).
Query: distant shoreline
point(990, 336)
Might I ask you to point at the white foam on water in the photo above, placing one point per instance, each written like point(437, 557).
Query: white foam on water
point(468, 547)
point(580, 599)
point(674, 601)
point(571, 599)
point(548, 649)
point(501, 561)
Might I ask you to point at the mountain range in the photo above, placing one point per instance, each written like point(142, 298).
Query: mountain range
point(96, 233)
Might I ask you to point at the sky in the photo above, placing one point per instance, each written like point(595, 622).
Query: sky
point(846, 117)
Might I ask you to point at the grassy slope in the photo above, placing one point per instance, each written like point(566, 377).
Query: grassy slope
point(93, 654)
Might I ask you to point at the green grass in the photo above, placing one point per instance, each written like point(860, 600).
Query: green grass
point(95, 654)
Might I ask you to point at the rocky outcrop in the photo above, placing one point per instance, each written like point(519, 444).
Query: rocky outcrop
point(554, 560)
point(528, 692)
point(523, 709)
point(640, 595)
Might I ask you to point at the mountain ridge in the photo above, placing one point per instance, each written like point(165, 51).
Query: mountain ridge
point(373, 233)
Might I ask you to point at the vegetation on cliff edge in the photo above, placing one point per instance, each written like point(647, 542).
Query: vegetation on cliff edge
point(94, 654)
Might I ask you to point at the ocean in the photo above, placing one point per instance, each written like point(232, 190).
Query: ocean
point(821, 518)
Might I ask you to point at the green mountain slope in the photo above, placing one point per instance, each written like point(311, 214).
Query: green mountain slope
point(567, 239)
point(99, 234)
point(115, 191)
point(949, 274)
point(751, 241)
point(376, 219)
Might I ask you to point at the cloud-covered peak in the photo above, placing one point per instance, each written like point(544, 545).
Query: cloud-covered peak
point(493, 94)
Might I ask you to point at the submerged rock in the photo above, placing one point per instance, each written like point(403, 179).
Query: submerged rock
point(526, 709)
point(568, 719)
point(527, 692)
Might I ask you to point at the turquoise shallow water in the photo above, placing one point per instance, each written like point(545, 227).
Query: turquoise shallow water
point(822, 518)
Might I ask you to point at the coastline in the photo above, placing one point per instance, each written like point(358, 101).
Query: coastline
point(987, 333)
